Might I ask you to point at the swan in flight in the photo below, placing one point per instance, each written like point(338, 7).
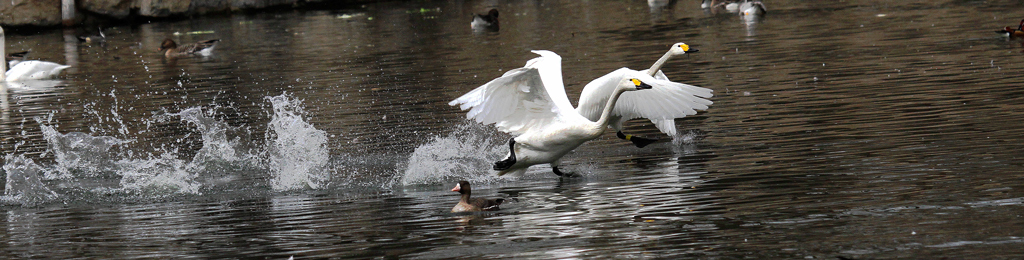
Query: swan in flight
point(27, 70)
point(662, 105)
point(530, 103)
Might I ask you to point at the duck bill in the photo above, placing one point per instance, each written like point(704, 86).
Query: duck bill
point(692, 50)
point(458, 187)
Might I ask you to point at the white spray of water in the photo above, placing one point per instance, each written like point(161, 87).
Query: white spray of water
point(468, 153)
point(78, 152)
point(297, 150)
point(295, 158)
point(24, 184)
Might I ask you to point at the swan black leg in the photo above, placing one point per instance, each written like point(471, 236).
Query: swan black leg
point(511, 160)
point(640, 142)
point(564, 174)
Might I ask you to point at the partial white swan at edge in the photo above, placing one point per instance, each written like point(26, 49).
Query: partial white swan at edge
point(531, 104)
point(27, 70)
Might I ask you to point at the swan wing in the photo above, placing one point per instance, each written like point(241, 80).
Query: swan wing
point(519, 100)
point(33, 69)
point(663, 103)
point(657, 75)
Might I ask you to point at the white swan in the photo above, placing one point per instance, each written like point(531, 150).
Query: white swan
point(27, 70)
point(530, 103)
point(662, 105)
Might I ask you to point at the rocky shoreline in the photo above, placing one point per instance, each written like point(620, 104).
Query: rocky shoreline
point(47, 13)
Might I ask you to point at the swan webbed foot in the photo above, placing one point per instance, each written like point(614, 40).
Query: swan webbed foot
point(640, 142)
point(511, 160)
point(565, 174)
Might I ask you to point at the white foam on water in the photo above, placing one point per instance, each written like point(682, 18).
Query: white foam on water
point(217, 144)
point(468, 153)
point(24, 182)
point(297, 151)
point(294, 155)
point(78, 151)
point(159, 176)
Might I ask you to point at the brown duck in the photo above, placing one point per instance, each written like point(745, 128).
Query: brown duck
point(467, 204)
point(203, 48)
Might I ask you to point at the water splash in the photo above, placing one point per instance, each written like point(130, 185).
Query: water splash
point(218, 146)
point(24, 182)
point(79, 152)
point(468, 153)
point(293, 155)
point(298, 151)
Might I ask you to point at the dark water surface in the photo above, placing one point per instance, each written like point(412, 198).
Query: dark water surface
point(855, 129)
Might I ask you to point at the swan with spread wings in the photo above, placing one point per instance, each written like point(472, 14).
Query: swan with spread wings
point(531, 104)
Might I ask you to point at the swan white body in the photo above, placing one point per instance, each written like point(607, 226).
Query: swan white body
point(34, 70)
point(530, 103)
point(27, 70)
point(662, 104)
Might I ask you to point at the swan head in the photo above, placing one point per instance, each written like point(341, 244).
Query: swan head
point(681, 48)
point(634, 84)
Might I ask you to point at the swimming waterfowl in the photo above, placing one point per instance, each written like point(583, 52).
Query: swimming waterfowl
point(1010, 32)
point(27, 70)
point(15, 57)
point(467, 204)
point(676, 103)
point(203, 48)
point(530, 103)
point(743, 7)
point(485, 22)
point(93, 38)
point(752, 8)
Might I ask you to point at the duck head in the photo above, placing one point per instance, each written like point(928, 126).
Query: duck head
point(462, 187)
point(167, 45)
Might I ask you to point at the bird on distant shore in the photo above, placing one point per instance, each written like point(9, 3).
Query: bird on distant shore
point(488, 22)
point(467, 204)
point(172, 49)
point(1010, 32)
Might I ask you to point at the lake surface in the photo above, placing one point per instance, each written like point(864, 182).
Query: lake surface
point(840, 129)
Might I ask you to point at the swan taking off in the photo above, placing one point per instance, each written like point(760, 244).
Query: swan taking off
point(530, 103)
point(662, 105)
point(27, 70)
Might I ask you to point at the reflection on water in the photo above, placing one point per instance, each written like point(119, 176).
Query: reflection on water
point(857, 129)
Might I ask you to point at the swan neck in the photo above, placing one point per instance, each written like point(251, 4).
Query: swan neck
point(661, 61)
point(607, 113)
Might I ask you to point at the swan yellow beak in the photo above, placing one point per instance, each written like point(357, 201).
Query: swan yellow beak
point(686, 48)
point(640, 85)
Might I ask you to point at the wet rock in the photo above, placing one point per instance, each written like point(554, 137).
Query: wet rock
point(209, 6)
point(114, 8)
point(163, 8)
point(30, 12)
point(253, 4)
